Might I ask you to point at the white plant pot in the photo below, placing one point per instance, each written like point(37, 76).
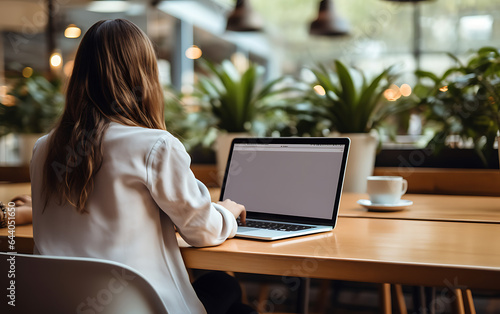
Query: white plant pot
point(360, 161)
point(26, 143)
point(222, 146)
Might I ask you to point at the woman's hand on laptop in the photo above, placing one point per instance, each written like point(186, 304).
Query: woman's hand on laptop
point(236, 209)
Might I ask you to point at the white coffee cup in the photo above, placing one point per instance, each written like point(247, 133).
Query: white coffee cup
point(386, 189)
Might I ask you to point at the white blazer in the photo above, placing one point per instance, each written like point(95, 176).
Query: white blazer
point(143, 189)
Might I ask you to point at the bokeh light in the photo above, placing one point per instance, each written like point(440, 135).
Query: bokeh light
point(392, 93)
point(72, 31)
point(319, 90)
point(193, 52)
point(56, 59)
point(405, 90)
point(27, 72)
point(68, 68)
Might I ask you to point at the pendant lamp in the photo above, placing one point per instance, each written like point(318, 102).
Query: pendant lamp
point(243, 18)
point(328, 23)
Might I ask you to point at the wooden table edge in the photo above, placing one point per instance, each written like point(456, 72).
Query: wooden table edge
point(364, 270)
point(452, 276)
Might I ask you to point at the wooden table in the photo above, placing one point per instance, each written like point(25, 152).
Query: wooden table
point(483, 209)
point(23, 238)
point(371, 250)
point(407, 251)
point(442, 208)
point(452, 208)
point(428, 207)
point(9, 190)
point(427, 253)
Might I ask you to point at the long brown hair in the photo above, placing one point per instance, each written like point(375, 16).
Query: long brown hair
point(115, 78)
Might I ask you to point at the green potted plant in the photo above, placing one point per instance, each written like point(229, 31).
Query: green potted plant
point(232, 101)
point(29, 110)
point(352, 106)
point(463, 103)
point(183, 124)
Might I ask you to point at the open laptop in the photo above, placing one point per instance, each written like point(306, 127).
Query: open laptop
point(289, 186)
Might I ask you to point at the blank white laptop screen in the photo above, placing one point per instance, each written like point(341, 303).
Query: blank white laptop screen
point(289, 186)
point(296, 180)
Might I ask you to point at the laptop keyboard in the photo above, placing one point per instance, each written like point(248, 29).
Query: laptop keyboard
point(273, 225)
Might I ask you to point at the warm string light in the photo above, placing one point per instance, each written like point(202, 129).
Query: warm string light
point(72, 31)
point(27, 72)
point(319, 90)
point(405, 90)
point(395, 92)
point(56, 60)
point(56, 63)
point(193, 52)
point(444, 88)
point(392, 93)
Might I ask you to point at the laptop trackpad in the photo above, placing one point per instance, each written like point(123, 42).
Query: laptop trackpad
point(242, 229)
point(249, 231)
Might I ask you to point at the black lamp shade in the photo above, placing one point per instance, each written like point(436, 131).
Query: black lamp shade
point(328, 23)
point(243, 18)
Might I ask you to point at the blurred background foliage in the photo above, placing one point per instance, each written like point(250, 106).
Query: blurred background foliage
point(462, 105)
point(459, 106)
point(31, 106)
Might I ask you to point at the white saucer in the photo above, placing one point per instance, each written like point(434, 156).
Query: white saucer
point(402, 204)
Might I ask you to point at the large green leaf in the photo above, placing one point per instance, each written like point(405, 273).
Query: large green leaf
point(432, 76)
point(248, 81)
point(324, 80)
point(234, 99)
point(348, 90)
point(370, 98)
point(266, 91)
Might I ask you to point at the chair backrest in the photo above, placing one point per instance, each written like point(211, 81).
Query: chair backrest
point(49, 284)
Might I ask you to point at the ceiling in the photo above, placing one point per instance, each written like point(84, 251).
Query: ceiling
point(381, 31)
